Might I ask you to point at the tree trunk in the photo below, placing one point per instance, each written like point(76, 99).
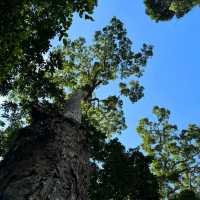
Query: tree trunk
point(48, 160)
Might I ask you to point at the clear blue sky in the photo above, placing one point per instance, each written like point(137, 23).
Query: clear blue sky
point(172, 77)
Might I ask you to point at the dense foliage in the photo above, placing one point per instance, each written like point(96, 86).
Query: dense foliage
point(161, 10)
point(120, 174)
point(26, 30)
point(175, 153)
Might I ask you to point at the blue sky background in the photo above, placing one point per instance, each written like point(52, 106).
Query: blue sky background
point(172, 75)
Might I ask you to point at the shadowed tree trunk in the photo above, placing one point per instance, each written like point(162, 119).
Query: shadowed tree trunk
point(48, 160)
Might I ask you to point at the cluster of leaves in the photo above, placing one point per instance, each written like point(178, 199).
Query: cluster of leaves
point(161, 10)
point(175, 154)
point(26, 30)
point(119, 174)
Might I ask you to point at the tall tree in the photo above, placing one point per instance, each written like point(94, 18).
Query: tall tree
point(161, 10)
point(48, 158)
point(175, 154)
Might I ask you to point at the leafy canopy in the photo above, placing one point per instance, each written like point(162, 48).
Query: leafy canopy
point(78, 66)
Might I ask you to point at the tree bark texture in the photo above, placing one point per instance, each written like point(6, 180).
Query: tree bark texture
point(47, 161)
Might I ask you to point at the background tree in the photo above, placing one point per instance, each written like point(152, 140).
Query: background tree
point(161, 10)
point(175, 154)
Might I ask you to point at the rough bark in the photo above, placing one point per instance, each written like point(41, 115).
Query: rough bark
point(48, 160)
